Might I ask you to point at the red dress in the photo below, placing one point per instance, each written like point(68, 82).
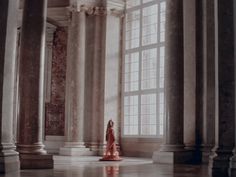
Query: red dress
point(111, 153)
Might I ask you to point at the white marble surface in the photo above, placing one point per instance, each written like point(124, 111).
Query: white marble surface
point(66, 166)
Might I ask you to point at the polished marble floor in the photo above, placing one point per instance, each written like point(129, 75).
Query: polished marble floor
point(129, 167)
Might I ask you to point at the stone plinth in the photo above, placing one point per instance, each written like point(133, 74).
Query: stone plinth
point(34, 161)
point(73, 151)
point(175, 157)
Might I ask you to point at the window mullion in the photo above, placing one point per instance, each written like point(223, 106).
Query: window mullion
point(140, 73)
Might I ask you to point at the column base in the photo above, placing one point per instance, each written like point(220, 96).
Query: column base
point(9, 164)
point(75, 149)
point(33, 161)
point(93, 147)
point(219, 163)
point(178, 157)
point(232, 169)
point(206, 153)
point(171, 154)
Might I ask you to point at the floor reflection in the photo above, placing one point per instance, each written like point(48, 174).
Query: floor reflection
point(129, 167)
point(111, 171)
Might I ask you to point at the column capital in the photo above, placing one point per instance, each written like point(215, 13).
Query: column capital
point(98, 10)
point(115, 7)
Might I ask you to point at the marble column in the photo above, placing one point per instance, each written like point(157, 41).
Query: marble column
point(232, 170)
point(95, 72)
point(190, 74)
point(9, 158)
point(208, 128)
point(225, 89)
point(31, 79)
point(111, 76)
point(173, 149)
point(75, 85)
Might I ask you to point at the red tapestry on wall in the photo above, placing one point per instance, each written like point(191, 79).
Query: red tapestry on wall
point(55, 109)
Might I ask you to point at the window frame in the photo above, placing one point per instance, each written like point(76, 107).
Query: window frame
point(139, 50)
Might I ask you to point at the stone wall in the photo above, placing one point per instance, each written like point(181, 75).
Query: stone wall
point(55, 109)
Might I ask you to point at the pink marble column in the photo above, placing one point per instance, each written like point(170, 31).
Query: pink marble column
point(9, 158)
point(75, 86)
point(30, 146)
point(172, 151)
point(225, 89)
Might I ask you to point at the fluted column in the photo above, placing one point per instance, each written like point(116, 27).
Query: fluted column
point(95, 84)
point(225, 89)
point(75, 85)
point(208, 128)
point(31, 79)
point(111, 61)
point(173, 149)
point(9, 159)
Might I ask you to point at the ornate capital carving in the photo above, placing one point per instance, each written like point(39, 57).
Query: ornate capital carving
point(117, 13)
point(100, 11)
point(97, 10)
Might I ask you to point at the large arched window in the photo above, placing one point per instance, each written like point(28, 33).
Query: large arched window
point(143, 68)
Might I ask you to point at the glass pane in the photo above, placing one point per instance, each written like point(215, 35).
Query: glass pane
point(148, 114)
point(161, 67)
point(149, 25)
point(161, 113)
point(162, 21)
point(131, 115)
point(131, 73)
point(149, 69)
point(132, 29)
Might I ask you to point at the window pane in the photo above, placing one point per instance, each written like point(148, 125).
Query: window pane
point(132, 29)
point(131, 75)
point(161, 113)
point(162, 21)
point(149, 25)
point(161, 67)
point(131, 115)
point(148, 114)
point(149, 69)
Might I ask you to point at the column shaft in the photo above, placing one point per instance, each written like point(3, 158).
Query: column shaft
point(30, 146)
point(173, 149)
point(9, 159)
point(75, 86)
point(110, 65)
point(225, 89)
point(174, 72)
point(208, 128)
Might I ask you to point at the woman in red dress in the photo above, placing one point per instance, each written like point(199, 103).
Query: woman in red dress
point(111, 152)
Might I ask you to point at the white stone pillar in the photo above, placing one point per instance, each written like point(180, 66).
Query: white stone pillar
point(225, 89)
point(9, 158)
point(111, 54)
point(95, 81)
point(75, 85)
